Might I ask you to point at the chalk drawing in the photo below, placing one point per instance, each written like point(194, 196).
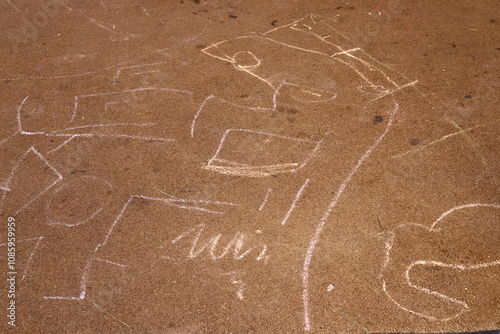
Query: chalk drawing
point(333, 50)
point(236, 244)
point(66, 133)
point(143, 68)
point(240, 285)
point(326, 215)
point(239, 151)
point(30, 154)
point(302, 150)
point(197, 205)
point(299, 36)
point(392, 273)
point(84, 279)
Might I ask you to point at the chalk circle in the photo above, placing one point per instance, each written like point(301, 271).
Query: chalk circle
point(245, 61)
point(306, 94)
point(77, 201)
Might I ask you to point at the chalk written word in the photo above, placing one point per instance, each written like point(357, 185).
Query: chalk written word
point(236, 244)
point(11, 262)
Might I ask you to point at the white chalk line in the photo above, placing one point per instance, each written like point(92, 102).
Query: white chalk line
point(91, 135)
point(460, 207)
point(8, 138)
point(388, 248)
point(335, 56)
point(295, 201)
point(326, 215)
point(464, 305)
point(259, 171)
point(62, 145)
point(59, 177)
point(103, 125)
point(266, 198)
point(119, 71)
point(12, 5)
point(202, 105)
point(193, 123)
point(5, 188)
point(92, 216)
point(168, 201)
point(84, 279)
point(145, 11)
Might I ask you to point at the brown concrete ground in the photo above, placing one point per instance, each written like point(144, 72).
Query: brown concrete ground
point(202, 166)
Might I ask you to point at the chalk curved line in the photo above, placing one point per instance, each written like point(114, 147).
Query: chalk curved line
point(464, 305)
point(195, 118)
point(460, 207)
point(388, 247)
point(258, 109)
point(19, 122)
point(89, 218)
point(319, 228)
point(246, 67)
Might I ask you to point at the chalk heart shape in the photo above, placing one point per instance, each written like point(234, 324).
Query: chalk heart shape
point(431, 271)
point(78, 201)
